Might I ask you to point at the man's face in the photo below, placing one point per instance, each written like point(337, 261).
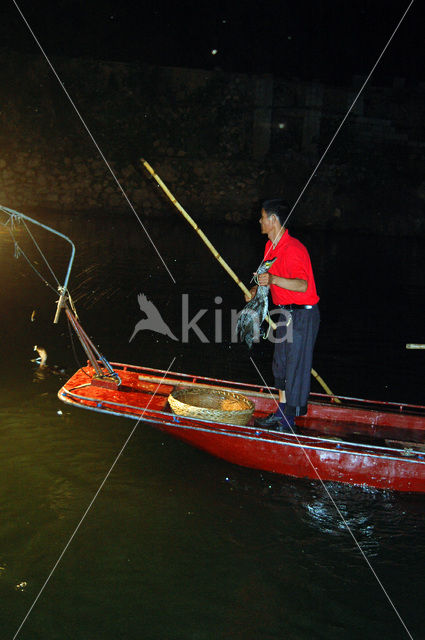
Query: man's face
point(266, 222)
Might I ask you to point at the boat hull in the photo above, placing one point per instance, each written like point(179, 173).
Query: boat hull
point(358, 442)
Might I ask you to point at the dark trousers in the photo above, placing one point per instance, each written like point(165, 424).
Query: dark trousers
point(292, 359)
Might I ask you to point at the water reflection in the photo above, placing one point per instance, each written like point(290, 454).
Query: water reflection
point(180, 544)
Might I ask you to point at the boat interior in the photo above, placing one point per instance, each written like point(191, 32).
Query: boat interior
point(342, 419)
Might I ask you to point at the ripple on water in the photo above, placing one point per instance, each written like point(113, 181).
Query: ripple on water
point(178, 544)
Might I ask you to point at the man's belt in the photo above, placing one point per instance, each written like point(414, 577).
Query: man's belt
point(291, 307)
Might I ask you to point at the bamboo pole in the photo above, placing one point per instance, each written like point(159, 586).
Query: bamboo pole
point(324, 385)
point(199, 231)
point(218, 257)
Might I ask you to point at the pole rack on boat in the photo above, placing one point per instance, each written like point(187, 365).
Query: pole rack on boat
point(14, 216)
point(110, 379)
point(105, 379)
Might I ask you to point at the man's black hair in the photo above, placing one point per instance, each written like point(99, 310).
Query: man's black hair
point(278, 207)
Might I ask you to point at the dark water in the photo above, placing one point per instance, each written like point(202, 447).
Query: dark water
point(180, 545)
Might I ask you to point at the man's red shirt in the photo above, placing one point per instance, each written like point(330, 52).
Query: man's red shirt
point(293, 261)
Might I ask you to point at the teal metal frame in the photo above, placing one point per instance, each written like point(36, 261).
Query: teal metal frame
point(17, 216)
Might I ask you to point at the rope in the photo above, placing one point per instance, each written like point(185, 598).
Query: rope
point(18, 251)
point(266, 335)
point(41, 253)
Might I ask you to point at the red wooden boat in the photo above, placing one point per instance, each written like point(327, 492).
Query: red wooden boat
point(360, 442)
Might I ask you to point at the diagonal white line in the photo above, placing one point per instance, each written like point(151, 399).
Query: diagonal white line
point(347, 526)
point(91, 503)
point(93, 140)
point(339, 127)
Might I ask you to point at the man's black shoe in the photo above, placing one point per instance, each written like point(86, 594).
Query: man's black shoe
point(269, 422)
point(274, 422)
point(285, 428)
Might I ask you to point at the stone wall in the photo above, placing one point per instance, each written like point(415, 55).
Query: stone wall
point(192, 126)
point(220, 141)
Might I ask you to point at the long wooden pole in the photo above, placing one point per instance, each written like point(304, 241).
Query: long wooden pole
point(199, 231)
point(223, 263)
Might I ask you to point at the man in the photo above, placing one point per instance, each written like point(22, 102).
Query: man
point(293, 290)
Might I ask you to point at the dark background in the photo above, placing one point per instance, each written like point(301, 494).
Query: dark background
point(171, 548)
point(325, 40)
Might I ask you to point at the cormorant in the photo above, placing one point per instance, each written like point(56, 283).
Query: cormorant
point(254, 313)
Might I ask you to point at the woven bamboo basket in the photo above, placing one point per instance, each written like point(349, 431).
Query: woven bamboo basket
point(211, 404)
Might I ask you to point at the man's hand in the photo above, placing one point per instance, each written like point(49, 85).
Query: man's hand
point(252, 293)
point(265, 279)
